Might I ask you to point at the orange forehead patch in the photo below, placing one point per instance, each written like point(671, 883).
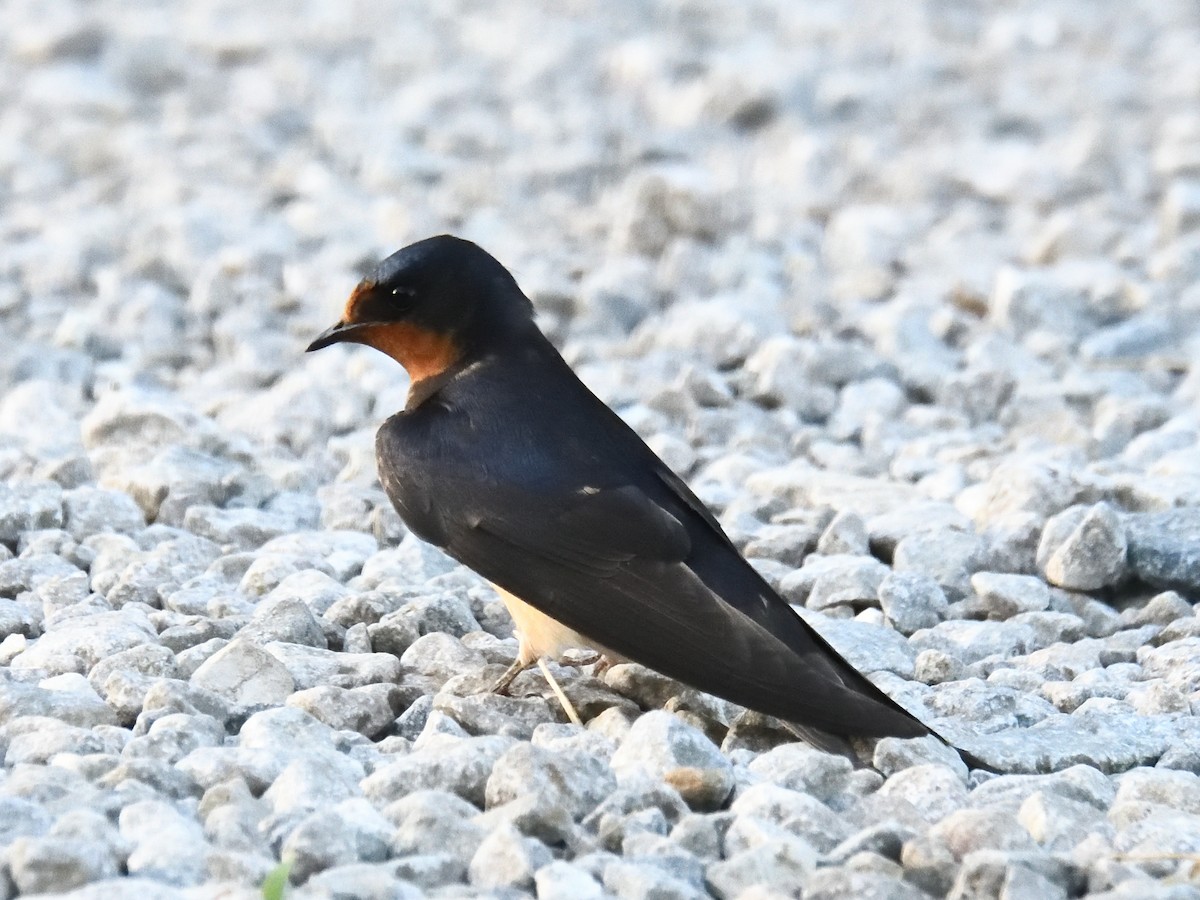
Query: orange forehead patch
point(422, 352)
point(353, 306)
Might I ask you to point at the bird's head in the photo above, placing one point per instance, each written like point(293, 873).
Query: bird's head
point(432, 305)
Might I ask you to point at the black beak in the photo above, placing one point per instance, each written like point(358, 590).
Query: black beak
point(335, 335)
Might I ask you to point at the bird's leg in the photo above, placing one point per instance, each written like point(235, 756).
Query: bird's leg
point(564, 701)
point(520, 664)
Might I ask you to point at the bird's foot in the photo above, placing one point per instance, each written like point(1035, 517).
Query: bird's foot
point(598, 661)
point(519, 665)
point(503, 682)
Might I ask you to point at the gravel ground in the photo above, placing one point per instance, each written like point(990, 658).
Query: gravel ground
point(910, 292)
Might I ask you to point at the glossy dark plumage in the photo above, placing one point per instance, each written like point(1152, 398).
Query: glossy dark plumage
point(507, 462)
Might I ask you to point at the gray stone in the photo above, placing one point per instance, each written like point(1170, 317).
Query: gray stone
point(773, 366)
point(88, 639)
point(246, 675)
point(1083, 548)
point(90, 825)
point(166, 845)
point(662, 746)
point(1022, 486)
point(394, 633)
point(312, 587)
point(1177, 663)
point(1014, 875)
point(912, 601)
point(414, 561)
point(165, 780)
point(196, 632)
point(560, 880)
point(702, 834)
point(798, 813)
point(859, 575)
point(643, 880)
point(949, 556)
point(1176, 790)
point(432, 822)
point(197, 597)
point(80, 707)
point(346, 832)
point(191, 659)
point(311, 666)
point(1059, 823)
point(365, 608)
point(488, 713)
point(89, 510)
point(441, 656)
point(363, 881)
point(863, 245)
point(799, 767)
point(461, 766)
point(970, 642)
point(776, 865)
point(161, 569)
point(29, 573)
point(1142, 335)
point(1162, 832)
point(1111, 743)
point(146, 659)
point(166, 697)
point(22, 818)
point(237, 529)
point(1004, 596)
point(788, 544)
point(562, 788)
point(637, 805)
point(1180, 208)
point(51, 863)
point(831, 884)
point(268, 571)
point(1167, 608)
point(868, 647)
point(366, 710)
point(283, 729)
point(1164, 548)
point(862, 404)
point(231, 815)
point(855, 585)
point(444, 612)
point(285, 619)
point(965, 831)
point(1025, 301)
point(507, 859)
point(125, 692)
point(28, 506)
point(934, 791)
point(174, 735)
point(22, 619)
point(431, 870)
point(357, 639)
point(884, 840)
point(670, 200)
point(344, 552)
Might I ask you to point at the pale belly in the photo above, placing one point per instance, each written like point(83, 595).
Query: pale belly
point(541, 635)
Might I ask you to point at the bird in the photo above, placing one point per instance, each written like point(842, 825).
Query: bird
point(507, 462)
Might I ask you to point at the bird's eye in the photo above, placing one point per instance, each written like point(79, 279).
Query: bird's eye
point(402, 292)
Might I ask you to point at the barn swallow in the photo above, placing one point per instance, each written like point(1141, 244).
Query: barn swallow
point(502, 458)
